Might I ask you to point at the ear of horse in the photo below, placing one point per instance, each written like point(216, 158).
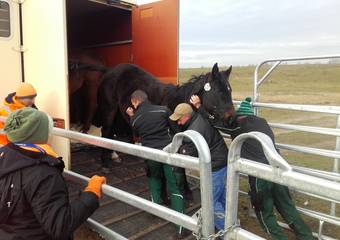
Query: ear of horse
point(215, 71)
point(226, 73)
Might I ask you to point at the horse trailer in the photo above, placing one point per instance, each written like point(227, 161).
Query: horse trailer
point(36, 38)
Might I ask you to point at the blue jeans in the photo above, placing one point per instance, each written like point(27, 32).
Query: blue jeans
point(219, 179)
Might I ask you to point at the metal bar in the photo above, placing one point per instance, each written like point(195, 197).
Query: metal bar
point(205, 174)
point(300, 107)
point(320, 216)
point(320, 130)
point(125, 5)
point(316, 196)
point(315, 151)
point(132, 149)
point(331, 176)
point(320, 229)
point(241, 234)
point(303, 149)
point(234, 169)
point(257, 82)
point(304, 211)
point(109, 44)
point(268, 73)
point(278, 171)
point(141, 203)
point(302, 58)
point(316, 235)
point(336, 163)
point(291, 179)
point(105, 232)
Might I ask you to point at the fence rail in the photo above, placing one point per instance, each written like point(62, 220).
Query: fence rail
point(279, 171)
point(168, 156)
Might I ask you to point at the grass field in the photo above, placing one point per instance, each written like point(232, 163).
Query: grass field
point(303, 84)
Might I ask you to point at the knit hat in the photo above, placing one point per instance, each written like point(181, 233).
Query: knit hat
point(245, 108)
point(25, 90)
point(181, 110)
point(27, 125)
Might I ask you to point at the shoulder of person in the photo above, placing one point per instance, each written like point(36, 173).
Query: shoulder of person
point(41, 171)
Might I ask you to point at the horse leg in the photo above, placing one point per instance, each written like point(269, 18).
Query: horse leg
point(91, 92)
point(75, 82)
point(108, 132)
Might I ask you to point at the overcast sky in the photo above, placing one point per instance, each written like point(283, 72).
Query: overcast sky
point(242, 32)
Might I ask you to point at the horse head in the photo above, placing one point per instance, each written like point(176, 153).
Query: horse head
point(215, 91)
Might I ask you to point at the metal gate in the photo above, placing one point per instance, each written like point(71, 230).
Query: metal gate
point(333, 154)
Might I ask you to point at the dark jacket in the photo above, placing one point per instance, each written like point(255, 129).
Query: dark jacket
point(251, 148)
point(151, 123)
point(34, 201)
point(218, 148)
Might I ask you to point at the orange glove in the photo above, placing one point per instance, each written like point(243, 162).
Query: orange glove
point(95, 185)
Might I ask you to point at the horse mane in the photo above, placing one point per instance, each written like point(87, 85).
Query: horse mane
point(182, 93)
point(194, 79)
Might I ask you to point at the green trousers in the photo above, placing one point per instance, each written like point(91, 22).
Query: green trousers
point(264, 196)
point(174, 184)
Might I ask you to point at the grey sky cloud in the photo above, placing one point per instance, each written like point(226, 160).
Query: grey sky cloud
point(248, 31)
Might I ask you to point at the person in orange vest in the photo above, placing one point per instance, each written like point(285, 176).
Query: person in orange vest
point(24, 96)
point(34, 202)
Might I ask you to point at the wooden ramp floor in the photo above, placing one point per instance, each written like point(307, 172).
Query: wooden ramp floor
point(132, 223)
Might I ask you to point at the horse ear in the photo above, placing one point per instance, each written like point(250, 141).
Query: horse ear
point(227, 72)
point(215, 71)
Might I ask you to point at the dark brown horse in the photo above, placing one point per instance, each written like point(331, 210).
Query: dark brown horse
point(118, 84)
point(85, 76)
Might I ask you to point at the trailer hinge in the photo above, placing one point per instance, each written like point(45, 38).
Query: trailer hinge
point(21, 49)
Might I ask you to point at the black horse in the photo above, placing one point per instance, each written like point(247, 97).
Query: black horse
point(119, 83)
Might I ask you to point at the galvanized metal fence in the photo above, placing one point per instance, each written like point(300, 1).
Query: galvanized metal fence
point(279, 171)
point(335, 154)
point(205, 228)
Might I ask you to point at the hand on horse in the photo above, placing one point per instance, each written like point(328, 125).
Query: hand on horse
point(195, 101)
point(130, 111)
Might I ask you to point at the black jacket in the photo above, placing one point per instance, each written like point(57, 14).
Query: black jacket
point(34, 201)
point(151, 123)
point(251, 148)
point(218, 148)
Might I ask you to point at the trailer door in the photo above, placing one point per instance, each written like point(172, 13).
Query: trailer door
point(155, 38)
point(10, 60)
point(45, 60)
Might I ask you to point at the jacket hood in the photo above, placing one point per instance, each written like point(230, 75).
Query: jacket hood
point(13, 158)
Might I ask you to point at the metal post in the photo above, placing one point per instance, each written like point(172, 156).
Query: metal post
point(275, 160)
point(336, 164)
point(205, 176)
point(256, 95)
point(233, 179)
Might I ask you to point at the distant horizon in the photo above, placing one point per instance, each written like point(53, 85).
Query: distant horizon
point(326, 62)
